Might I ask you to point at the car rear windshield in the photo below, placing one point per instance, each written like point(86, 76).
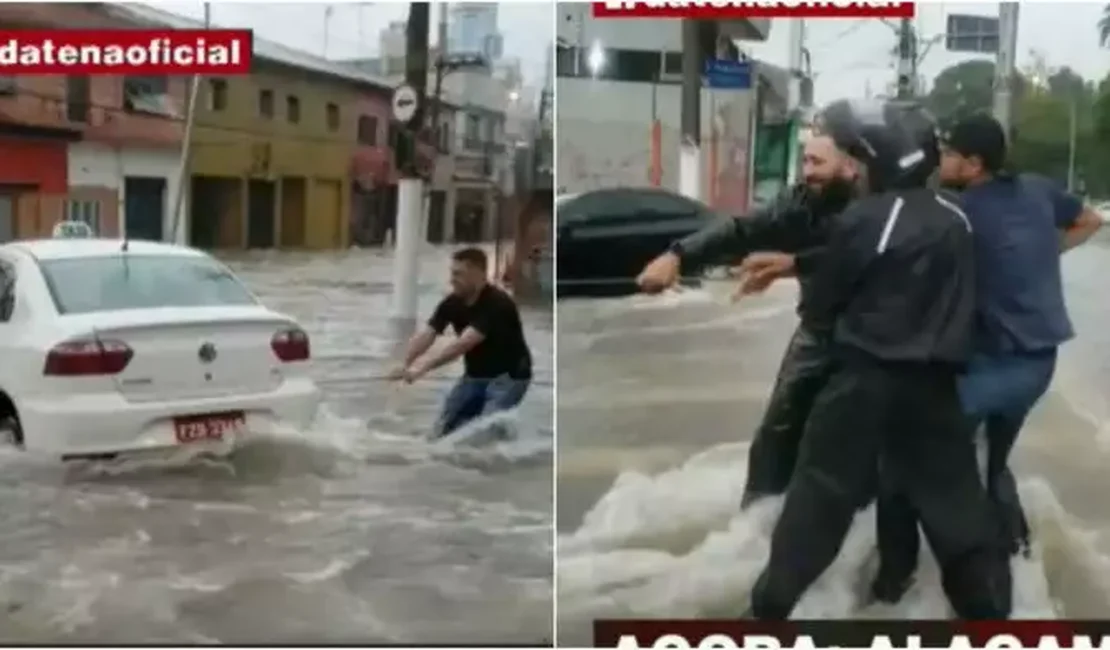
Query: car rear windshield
point(82, 285)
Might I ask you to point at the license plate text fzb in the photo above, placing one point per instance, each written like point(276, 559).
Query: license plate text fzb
point(214, 427)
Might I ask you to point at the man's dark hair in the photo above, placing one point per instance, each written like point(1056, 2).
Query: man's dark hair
point(979, 136)
point(473, 256)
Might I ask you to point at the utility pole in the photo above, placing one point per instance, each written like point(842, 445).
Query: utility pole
point(907, 59)
point(410, 186)
point(1004, 67)
point(328, 11)
point(441, 72)
point(176, 236)
point(801, 96)
point(689, 154)
point(539, 133)
point(1072, 138)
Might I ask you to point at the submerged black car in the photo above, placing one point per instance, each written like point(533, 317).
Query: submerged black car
point(605, 237)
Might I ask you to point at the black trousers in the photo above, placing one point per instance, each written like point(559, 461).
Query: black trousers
point(909, 420)
point(898, 539)
point(805, 368)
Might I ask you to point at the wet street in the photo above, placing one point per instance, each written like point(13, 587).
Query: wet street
point(356, 531)
point(658, 399)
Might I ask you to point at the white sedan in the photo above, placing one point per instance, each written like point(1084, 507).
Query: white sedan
point(108, 349)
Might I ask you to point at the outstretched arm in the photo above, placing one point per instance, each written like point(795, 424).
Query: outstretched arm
point(729, 240)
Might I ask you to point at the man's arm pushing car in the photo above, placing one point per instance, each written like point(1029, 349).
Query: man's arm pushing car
point(780, 225)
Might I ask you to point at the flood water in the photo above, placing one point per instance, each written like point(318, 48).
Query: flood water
point(658, 399)
point(354, 531)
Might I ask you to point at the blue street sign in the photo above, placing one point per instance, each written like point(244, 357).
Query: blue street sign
point(733, 75)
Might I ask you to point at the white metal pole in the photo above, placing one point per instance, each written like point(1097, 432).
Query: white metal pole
point(177, 234)
point(406, 253)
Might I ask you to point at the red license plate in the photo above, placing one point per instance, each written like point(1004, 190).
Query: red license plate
point(213, 426)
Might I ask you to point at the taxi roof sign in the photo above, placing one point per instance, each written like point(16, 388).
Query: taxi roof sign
point(72, 230)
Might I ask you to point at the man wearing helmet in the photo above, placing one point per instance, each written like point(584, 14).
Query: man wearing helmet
point(795, 221)
point(1022, 225)
point(895, 290)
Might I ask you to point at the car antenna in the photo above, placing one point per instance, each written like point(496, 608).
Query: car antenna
point(126, 262)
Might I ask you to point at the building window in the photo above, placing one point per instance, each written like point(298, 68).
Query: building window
point(672, 63)
point(293, 109)
point(84, 211)
point(266, 103)
point(148, 95)
point(368, 130)
point(78, 98)
point(333, 117)
point(217, 94)
point(473, 134)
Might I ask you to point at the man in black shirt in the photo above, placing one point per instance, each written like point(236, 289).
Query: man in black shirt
point(498, 364)
point(794, 222)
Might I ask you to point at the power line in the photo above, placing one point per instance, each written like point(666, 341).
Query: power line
point(848, 31)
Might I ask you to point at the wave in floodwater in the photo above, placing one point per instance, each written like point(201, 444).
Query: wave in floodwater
point(497, 440)
point(336, 534)
point(675, 545)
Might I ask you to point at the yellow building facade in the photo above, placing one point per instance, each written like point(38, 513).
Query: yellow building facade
point(270, 159)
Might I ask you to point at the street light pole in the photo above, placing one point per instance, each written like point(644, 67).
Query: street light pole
point(907, 59)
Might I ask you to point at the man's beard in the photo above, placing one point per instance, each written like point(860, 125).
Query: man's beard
point(833, 196)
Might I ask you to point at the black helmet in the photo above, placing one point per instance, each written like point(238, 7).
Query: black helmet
point(896, 140)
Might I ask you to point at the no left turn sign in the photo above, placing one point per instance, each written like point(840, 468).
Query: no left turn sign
point(405, 103)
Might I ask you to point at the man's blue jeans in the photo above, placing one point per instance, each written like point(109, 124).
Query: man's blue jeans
point(998, 392)
point(471, 398)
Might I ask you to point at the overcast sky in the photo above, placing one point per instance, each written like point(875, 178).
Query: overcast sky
point(848, 54)
point(354, 27)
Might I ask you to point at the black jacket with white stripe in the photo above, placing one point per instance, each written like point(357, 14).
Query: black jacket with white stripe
point(896, 281)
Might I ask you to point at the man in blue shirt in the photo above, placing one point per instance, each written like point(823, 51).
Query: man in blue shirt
point(1021, 224)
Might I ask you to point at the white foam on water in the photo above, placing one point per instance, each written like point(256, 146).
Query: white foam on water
point(677, 545)
point(497, 436)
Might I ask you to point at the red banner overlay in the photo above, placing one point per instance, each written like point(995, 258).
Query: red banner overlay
point(762, 9)
point(1084, 635)
point(128, 51)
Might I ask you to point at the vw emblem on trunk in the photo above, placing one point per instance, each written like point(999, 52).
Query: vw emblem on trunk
point(207, 353)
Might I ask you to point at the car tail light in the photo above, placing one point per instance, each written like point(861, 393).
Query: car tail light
point(84, 357)
point(290, 345)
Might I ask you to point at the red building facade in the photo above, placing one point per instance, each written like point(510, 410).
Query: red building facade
point(42, 115)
